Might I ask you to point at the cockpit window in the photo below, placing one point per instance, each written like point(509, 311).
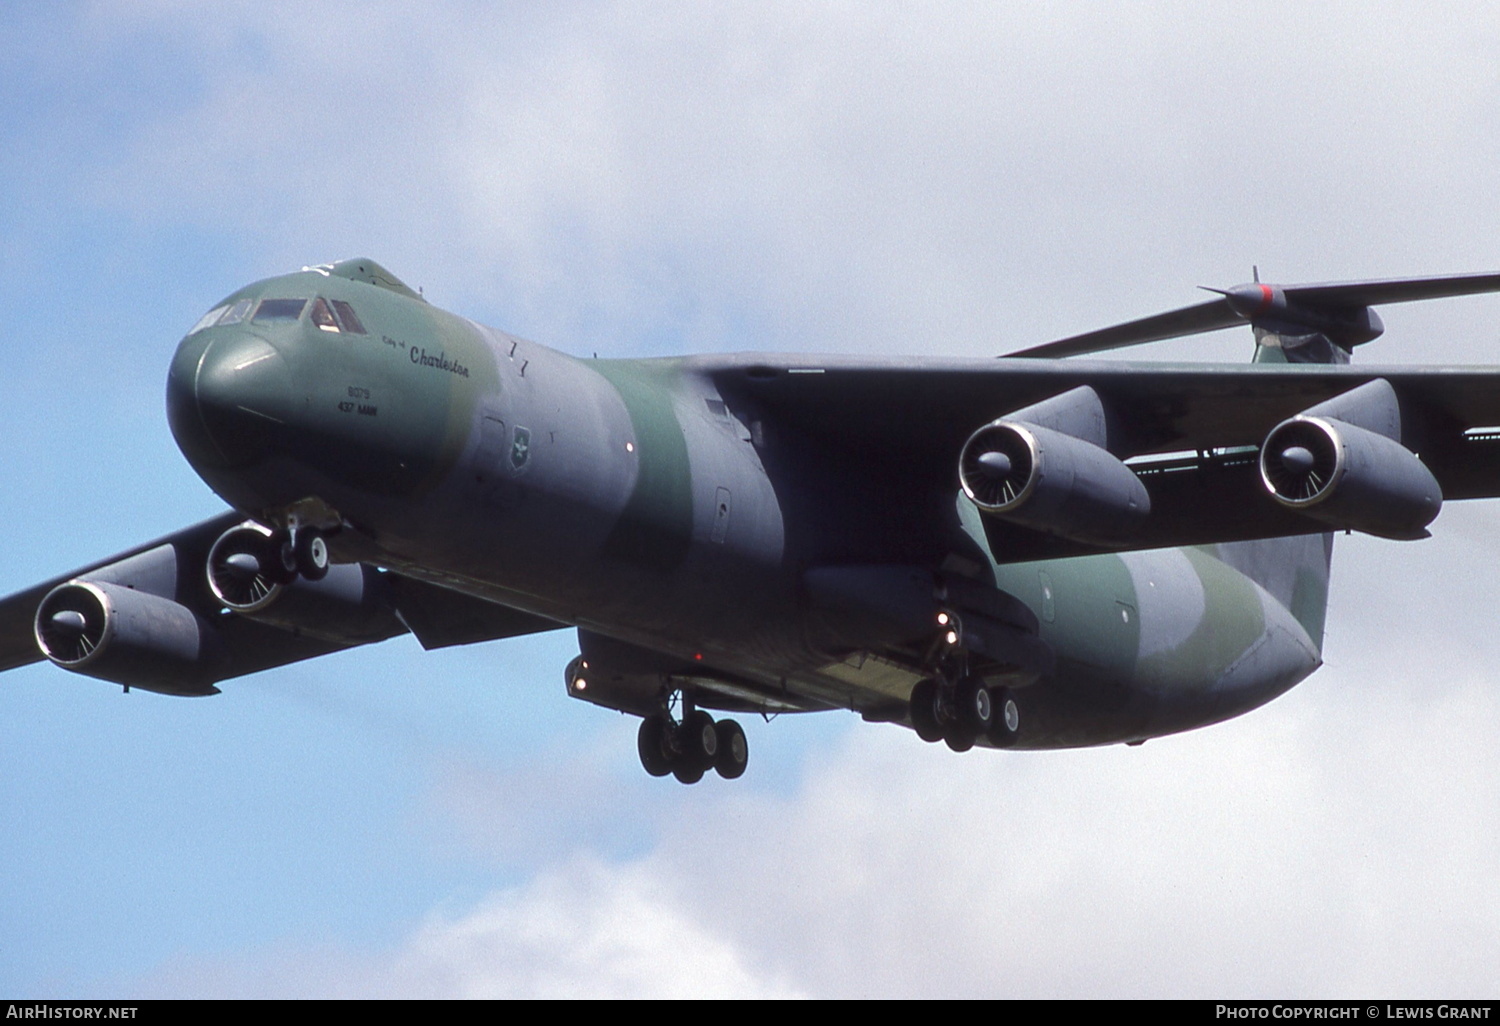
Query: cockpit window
point(322, 316)
point(335, 315)
point(348, 318)
point(208, 318)
point(235, 313)
point(279, 310)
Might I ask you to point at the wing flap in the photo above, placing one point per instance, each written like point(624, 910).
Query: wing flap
point(440, 617)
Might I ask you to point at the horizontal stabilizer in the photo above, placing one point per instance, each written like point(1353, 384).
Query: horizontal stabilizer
point(1338, 309)
point(1349, 294)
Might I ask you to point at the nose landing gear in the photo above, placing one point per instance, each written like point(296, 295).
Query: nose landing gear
point(298, 552)
point(690, 747)
point(310, 551)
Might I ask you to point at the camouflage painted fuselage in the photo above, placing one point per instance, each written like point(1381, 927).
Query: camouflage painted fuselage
point(657, 503)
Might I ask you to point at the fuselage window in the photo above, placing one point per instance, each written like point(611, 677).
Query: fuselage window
point(209, 318)
point(322, 316)
point(278, 310)
point(235, 313)
point(347, 318)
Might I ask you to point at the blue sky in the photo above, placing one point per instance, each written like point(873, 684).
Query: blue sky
point(645, 179)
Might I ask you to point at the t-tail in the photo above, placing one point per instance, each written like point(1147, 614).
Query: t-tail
point(1300, 461)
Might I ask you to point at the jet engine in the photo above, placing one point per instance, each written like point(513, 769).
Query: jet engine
point(1349, 477)
point(351, 605)
point(129, 637)
point(1048, 466)
point(1049, 481)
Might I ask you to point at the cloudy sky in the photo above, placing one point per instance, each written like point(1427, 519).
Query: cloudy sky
point(664, 178)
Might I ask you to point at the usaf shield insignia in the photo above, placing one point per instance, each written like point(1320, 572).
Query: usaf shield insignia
point(520, 448)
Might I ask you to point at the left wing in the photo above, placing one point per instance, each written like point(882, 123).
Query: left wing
point(903, 422)
point(149, 617)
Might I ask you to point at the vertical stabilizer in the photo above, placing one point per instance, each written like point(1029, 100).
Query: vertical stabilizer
point(1280, 345)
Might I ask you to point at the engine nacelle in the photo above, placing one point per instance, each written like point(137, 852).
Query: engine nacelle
point(350, 605)
point(1349, 477)
point(128, 637)
point(1050, 481)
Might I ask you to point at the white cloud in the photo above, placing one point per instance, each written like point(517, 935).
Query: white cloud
point(1325, 846)
point(583, 930)
point(853, 177)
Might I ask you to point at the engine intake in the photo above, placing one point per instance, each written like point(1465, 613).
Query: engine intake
point(241, 568)
point(1053, 482)
point(1349, 477)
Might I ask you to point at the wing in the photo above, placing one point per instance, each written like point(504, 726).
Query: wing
point(165, 585)
point(902, 423)
point(18, 645)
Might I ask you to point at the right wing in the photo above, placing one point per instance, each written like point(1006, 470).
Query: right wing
point(1194, 429)
point(18, 645)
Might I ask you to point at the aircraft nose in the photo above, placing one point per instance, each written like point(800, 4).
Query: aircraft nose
point(224, 397)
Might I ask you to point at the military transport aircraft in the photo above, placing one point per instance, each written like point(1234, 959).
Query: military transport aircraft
point(1025, 552)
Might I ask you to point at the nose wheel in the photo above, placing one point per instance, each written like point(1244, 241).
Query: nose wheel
point(310, 550)
point(689, 748)
point(299, 552)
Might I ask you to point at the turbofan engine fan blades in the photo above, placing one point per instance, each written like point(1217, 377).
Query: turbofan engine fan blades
point(240, 567)
point(1300, 461)
point(996, 467)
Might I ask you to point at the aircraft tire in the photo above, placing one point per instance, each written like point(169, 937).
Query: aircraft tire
point(311, 553)
point(924, 711)
point(698, 743)
point(282, 566)
point(958, 737)
point(734, 750)
point(975, 705)
point(687, 774)
point(650, 745)
point(1006, 728)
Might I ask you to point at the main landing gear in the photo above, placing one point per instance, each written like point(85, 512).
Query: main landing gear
point(957, 708)
point(963, 711)
point(690, 747)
